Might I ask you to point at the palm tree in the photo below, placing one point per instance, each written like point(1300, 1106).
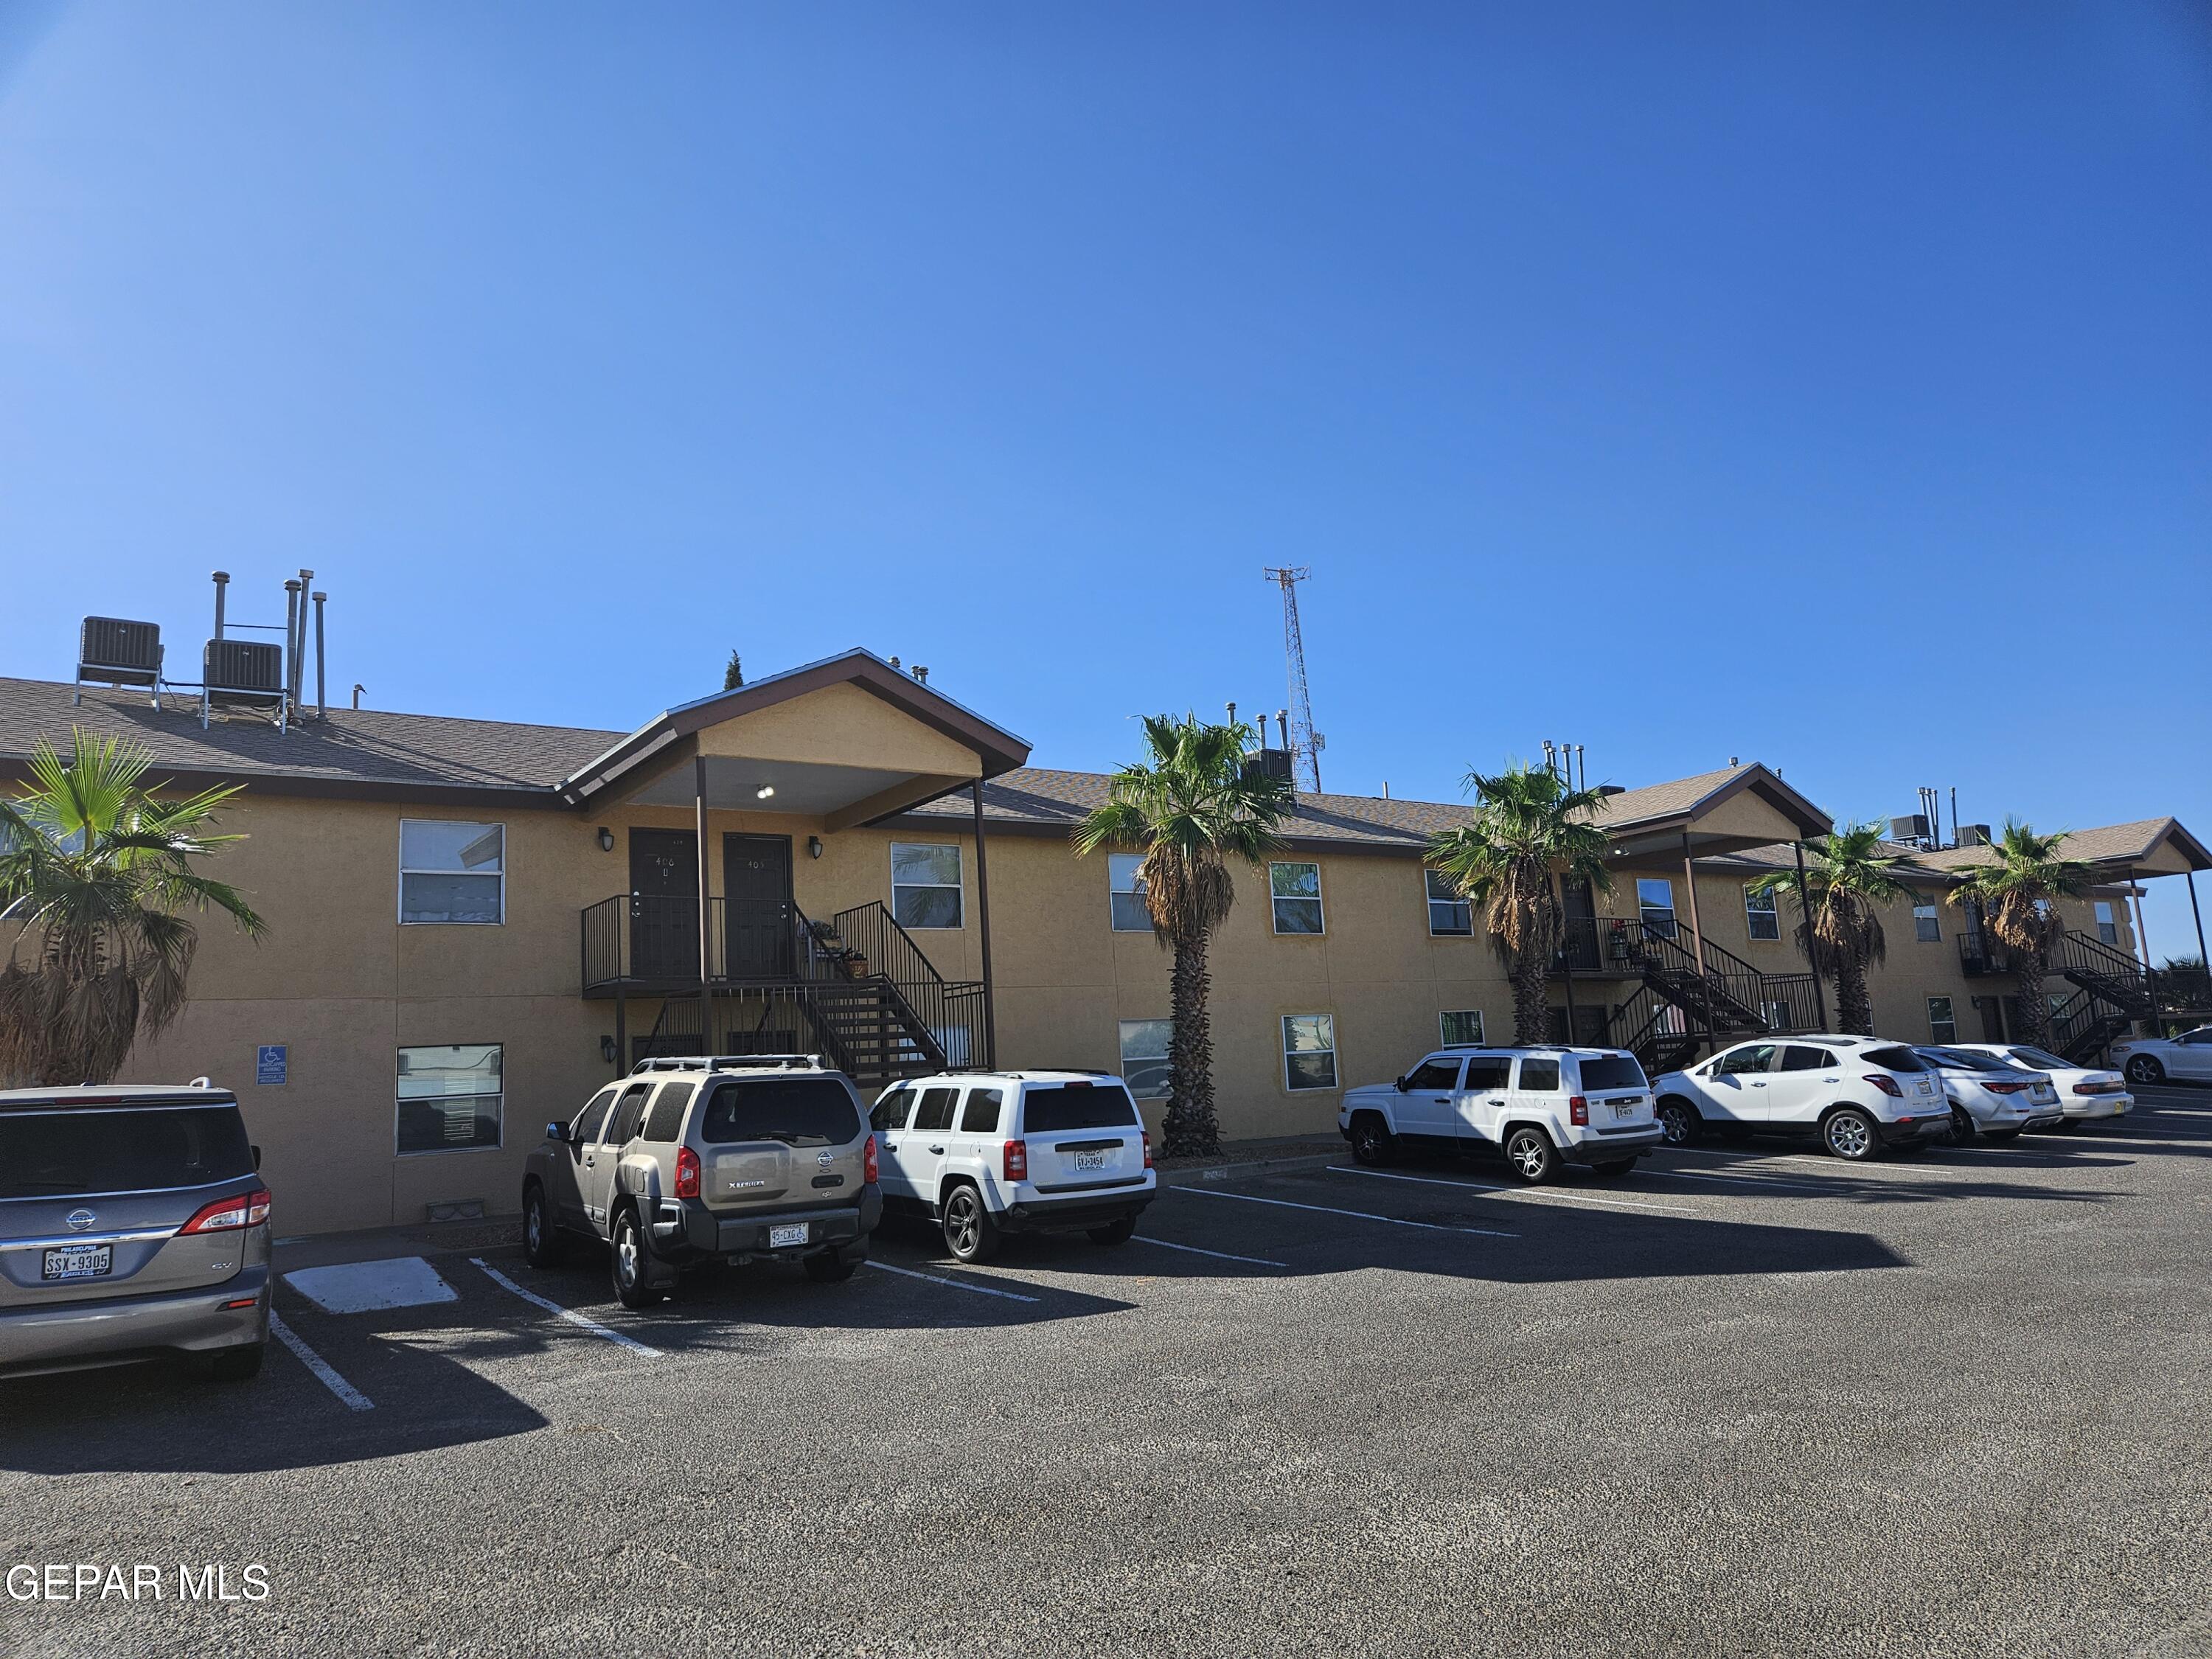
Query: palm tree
point(1529, 822)
point(2016, 896)
point(96, 873)
point(1193, 804)
point(1848, 878)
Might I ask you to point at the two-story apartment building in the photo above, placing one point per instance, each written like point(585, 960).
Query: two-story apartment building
point(473, 923)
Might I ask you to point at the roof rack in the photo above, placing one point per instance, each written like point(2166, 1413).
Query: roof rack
point(729, 1063)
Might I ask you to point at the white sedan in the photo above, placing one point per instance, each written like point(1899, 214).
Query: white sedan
point(2084, 1092)
point(1991, 1096)
point(2152, 1060)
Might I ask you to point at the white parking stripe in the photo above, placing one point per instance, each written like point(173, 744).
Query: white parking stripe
point(1744, 1180)
point(568, 1314)
point(314, 1361)
point(1219, 1255)
point(1356, 1215)
point(1518, 1192)
point(956, 1284)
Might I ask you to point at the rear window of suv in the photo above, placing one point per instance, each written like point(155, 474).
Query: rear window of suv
point(46, 1154)
point(1894, 1059)
point(800, 1111)
point(1611, 1071)
point(1054, 1108)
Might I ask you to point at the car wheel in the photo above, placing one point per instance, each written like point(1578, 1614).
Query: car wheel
point(1679, 1122)
point(542, 1244)
point(2143, 1069)
point(626, 1248)
point(1116, 1232)
point(233, 1365)
point(1531, 1156)
point(1372, 1143)
point(970, 1232)
point(1614, 1168)
point(830, 1267)
point(1962, 1126)
point(1849, 1133)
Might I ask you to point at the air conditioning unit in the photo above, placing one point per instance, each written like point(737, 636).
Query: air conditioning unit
point(1269, 763)
point(1976, 835)
point(246, 673)
point(113, 651)
point(1914, 827)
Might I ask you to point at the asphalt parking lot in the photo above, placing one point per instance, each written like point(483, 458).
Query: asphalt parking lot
point(1748, 1401)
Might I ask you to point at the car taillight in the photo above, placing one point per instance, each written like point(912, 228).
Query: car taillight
point(228, 1214)
point(687, 1172)
point(1147, 1135)
point(1579, 1110)
point(2006, 1087)
point(1017, 1163)
point(2096, 1088)
point(868, 1162)
point(1886, 1085)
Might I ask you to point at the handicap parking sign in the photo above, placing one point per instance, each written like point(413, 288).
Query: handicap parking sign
point(268, 1063)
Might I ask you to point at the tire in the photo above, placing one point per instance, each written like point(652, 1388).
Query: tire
point(1680, 1123)
point(1114, 1232)
point(1614, 1168)
point(1372, 1143)
point(626, 1248)
point(1962, 1126)
point(1531, 1156)
point(971, 1233)
point(542, 1244)
point(233, 1365)
point(2144, 1070)
point(830, 1267)
point(1849, 1133)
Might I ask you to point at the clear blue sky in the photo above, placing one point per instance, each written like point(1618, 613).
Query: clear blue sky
point(1828, 384)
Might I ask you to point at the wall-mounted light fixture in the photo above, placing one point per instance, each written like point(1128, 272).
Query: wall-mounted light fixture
point(606, 845)
point(764, 792)
point(814, 846)
point(607, 1049)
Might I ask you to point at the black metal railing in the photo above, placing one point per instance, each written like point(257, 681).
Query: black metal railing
point(951, 1010)
point(1981, 954)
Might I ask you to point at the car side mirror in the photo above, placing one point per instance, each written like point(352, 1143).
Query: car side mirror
point(1399, 1086)
point(256, 1151)
point(556, 1132)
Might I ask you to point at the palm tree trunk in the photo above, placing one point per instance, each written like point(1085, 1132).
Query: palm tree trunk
point(2034, 1005)
point(1191, 1130)
point(1530, 1024)
point(1854, 1006)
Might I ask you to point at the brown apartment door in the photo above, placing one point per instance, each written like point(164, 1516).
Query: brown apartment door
point(664, 904)
point(756, 884)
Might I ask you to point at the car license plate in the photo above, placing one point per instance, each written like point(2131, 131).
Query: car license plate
point(780, 1236)
point(80, 1261)
point(1090, 1162)
point(1926, 1087)
point(1622, 1109)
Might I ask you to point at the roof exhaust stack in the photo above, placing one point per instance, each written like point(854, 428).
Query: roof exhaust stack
point(221, 581)
point(322, 708)
point(295, 603)
point(921, 675)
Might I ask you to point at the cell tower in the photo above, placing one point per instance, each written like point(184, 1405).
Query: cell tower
point(1305, 742)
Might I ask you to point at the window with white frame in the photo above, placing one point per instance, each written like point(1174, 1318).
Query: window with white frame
point(1296, 888)
point(925, 885)
point(1655, 899)
point(1309, 1052)
point(1460, 1028)
point(1926, 929)
point(1145, 1057)
point(452, 872)
point(1125, 880)
point(1762, 913)
point(2108, 927)
point(1449, 911)
point(1943, 1024)
point(449, 1098)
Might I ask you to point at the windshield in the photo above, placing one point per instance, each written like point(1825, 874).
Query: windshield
point(1053, 1108)
point(1962, 1060)
point(2040, 1060)
point(1610, 1072)
point(46, 1153)
point(1895, 1060)
point(799, 1111)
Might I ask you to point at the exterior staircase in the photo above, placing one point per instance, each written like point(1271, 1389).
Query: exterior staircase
point(1681, 1007)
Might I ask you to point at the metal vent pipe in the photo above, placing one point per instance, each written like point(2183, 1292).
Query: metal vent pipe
point(222, 582)
point(295, 602)
point(322, 708)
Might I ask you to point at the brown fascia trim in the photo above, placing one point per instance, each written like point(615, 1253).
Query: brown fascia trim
point(527, 796)
point(854, 668)
point(964, 823)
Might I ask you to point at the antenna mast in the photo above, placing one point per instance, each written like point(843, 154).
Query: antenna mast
point(1304, 741)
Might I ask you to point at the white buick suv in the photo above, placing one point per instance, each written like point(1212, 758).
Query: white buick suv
point(1855, 1094)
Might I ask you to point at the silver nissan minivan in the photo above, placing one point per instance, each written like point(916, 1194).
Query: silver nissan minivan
point(133, 1225)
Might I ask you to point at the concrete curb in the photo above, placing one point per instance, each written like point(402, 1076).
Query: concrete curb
point(1203, 1174)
